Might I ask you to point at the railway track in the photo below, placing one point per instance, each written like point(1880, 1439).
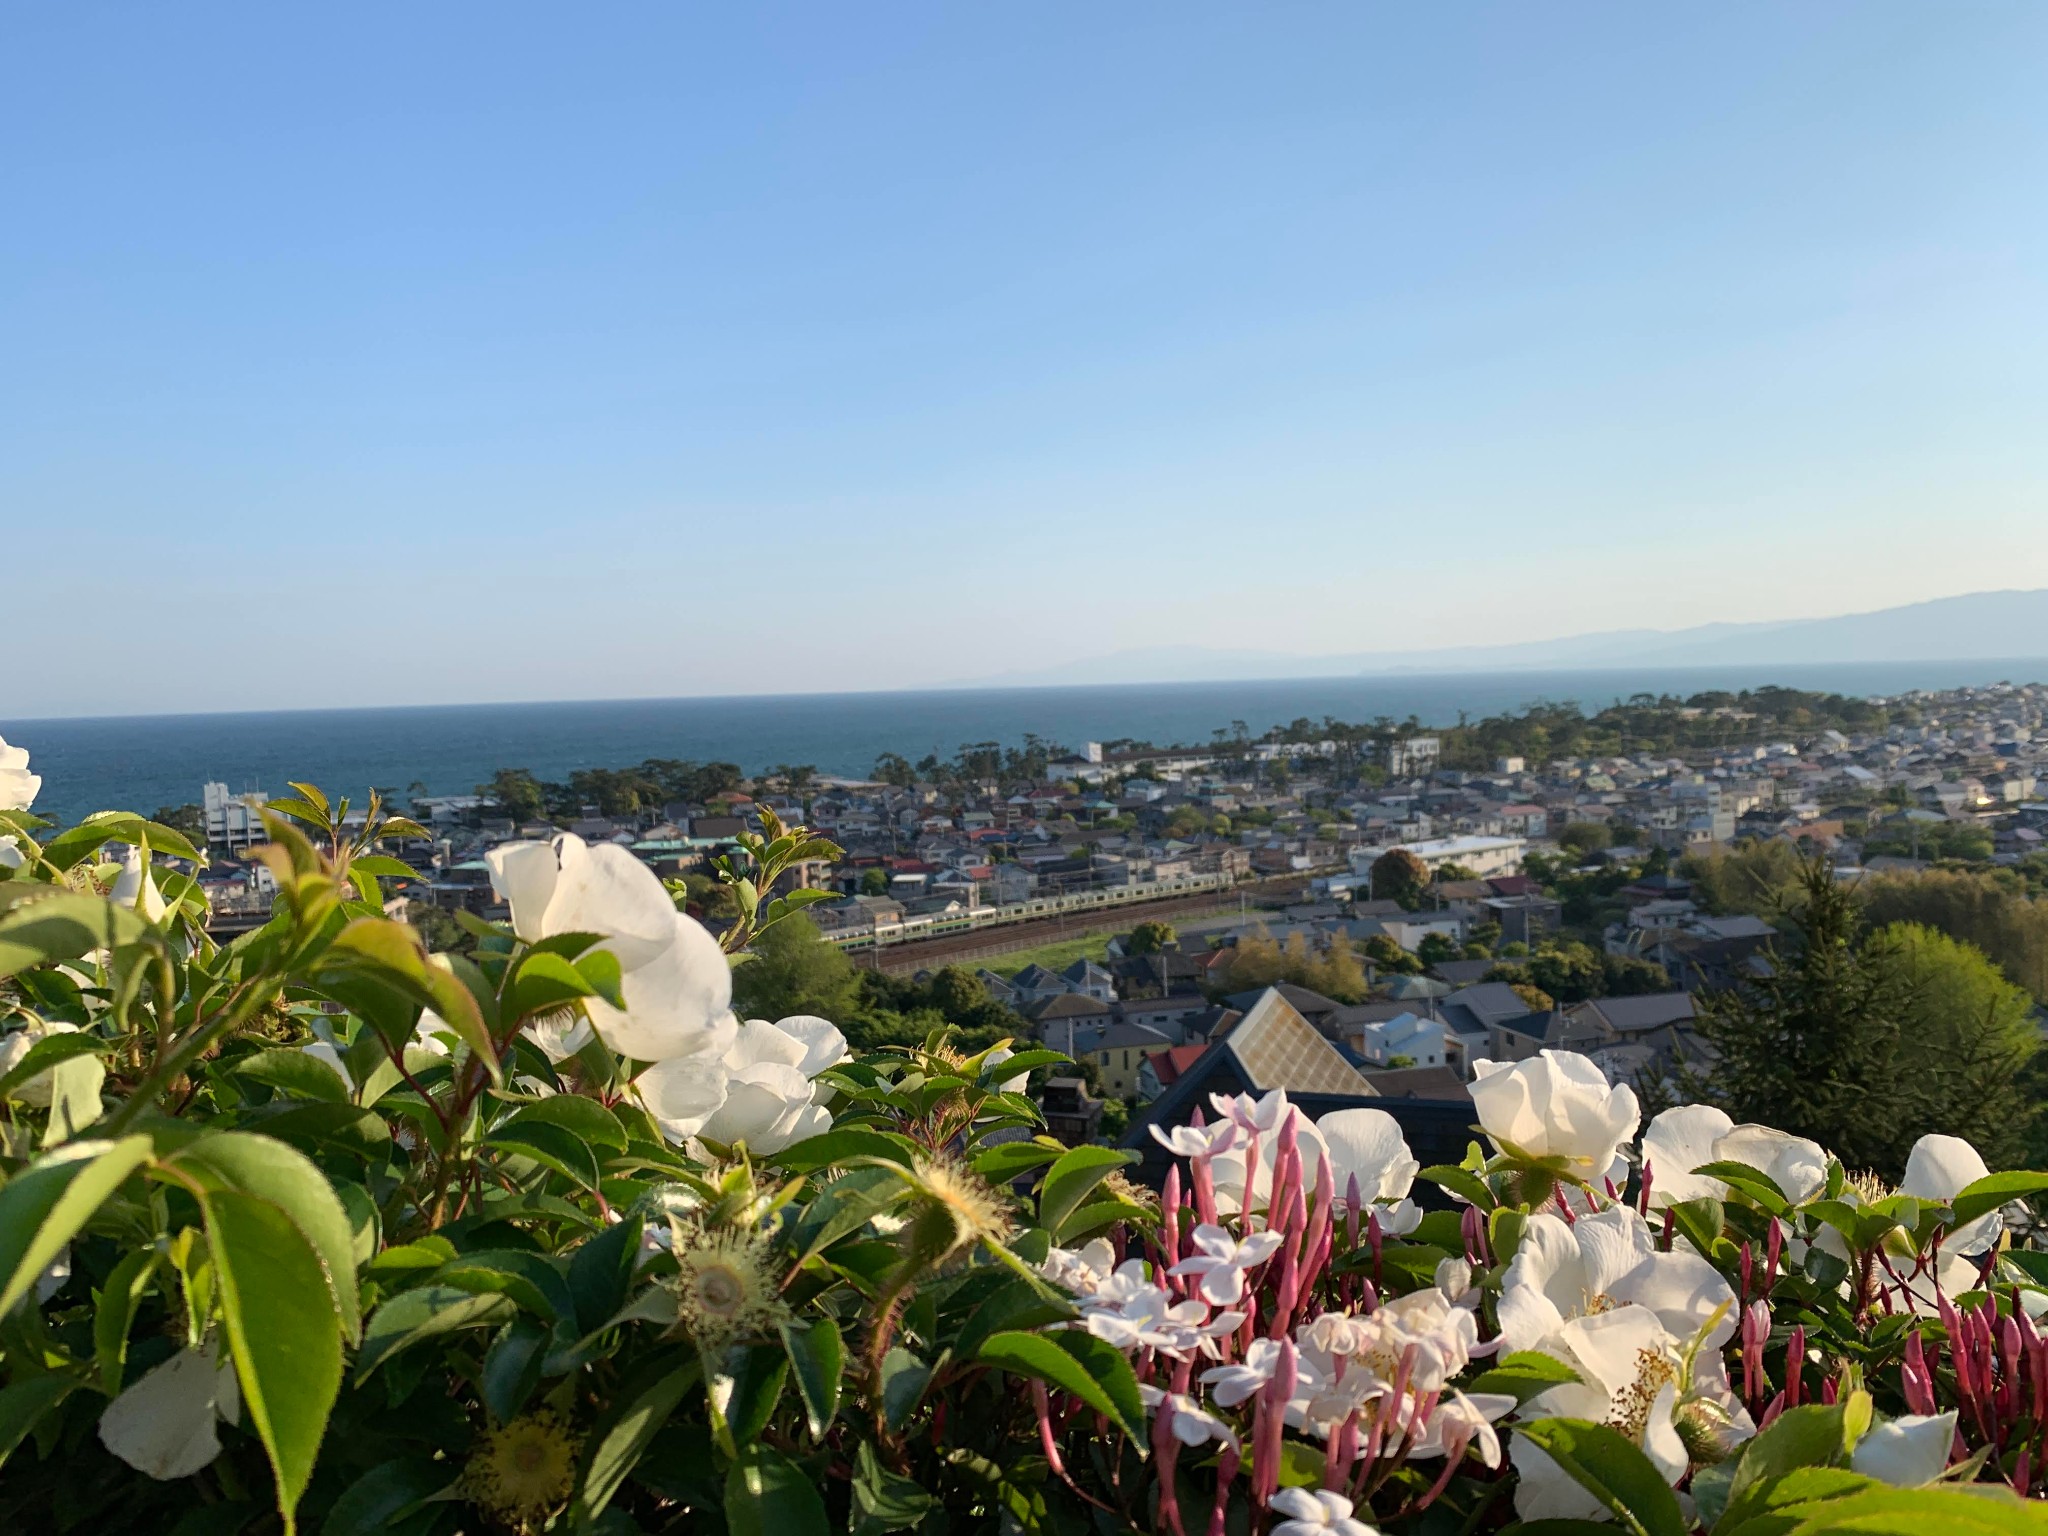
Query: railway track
point(923, 954)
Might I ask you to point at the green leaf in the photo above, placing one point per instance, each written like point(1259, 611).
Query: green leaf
point(1614, 1470)
point(49, 1052)
point(277, 1304)
point(375, 1503)
point(1993, 1191)
point(46, 1205)
point(817, 1358)
point(24, 1402)
point(1753, 1182)
point(625, 1438)
point(1023, 1061)
point(842, 1148)
point(75, 1102)
point(63, 926)
point(1069, 1180)
point(884, 1500)
point(72, 847)
point(601, 1273)
point(376, 955)
point(1700, 1222)
point(543, 983)
point(1523, 1374)
point(1811, 1435)
point(904, 1378)
point(424, 1312)
point(1461, 1181)
point(552, 1147)
point(1764, 1509)
point(512, 1367)
point(1875, 1510)
point(767, 1494)
point(288, 1179)
point(530, 1279)
point(584, 1118)
point(1077, 1363)
point(296, 1073)
point(116, 1311)
point(747, 1388)
point(1007, 1160)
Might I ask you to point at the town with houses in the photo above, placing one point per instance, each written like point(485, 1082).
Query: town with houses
point(1273, 843)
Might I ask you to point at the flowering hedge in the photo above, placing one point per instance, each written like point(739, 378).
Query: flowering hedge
point(315, 1229)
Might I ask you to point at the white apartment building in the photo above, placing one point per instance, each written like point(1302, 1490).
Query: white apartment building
point(232, 822)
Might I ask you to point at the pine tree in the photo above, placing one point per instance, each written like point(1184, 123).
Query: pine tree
point(1815, 1046)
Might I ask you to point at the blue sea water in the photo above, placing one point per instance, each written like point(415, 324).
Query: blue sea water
point(142, 762)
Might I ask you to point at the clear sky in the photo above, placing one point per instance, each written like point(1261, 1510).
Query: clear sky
point(380, 354)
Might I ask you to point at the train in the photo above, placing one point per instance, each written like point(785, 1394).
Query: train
point(942, 925)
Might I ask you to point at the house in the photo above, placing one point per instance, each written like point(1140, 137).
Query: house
point(1162, 1069)
point(1403, 1041)
point(1072, 1023)
point(1119, 1051)
point(1273, 1046)
point(1070, 1113)
point(1469, 1015)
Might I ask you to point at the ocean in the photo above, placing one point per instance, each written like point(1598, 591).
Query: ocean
point(143, 762)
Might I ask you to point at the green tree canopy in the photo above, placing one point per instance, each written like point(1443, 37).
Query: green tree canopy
point(1149, 938)
point(792, 970)
point(1398, 875)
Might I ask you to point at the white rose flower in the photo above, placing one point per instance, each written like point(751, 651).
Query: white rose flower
point(1907, 1451)
point(1563, 1270)
point(11, 856)
point(1629, 1367)
point(1940, 1168)
point(18, 786)
point(1693, 1135)
point(758, 1091)
point(1557, 1104)
point(135, 887)
point(14, 1047)
point(163, 1425)
point(675, 979)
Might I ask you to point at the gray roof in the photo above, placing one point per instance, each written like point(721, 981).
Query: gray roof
point(1630, 1015)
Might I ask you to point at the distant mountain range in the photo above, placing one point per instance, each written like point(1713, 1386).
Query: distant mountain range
point(1976, 625)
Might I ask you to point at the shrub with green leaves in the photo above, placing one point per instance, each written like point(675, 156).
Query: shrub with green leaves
point(317, 1230)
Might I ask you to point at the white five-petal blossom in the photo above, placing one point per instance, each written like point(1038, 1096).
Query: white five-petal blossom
point(1233, 1384)
point(1223, 1260)
point(1907, 1451)
point(1311, 1512)
point(1557, 1104)
point(1189, 1421)
point(675, 981)
point(1210, 1140)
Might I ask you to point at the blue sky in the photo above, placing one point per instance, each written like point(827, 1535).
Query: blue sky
point(379, 354)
